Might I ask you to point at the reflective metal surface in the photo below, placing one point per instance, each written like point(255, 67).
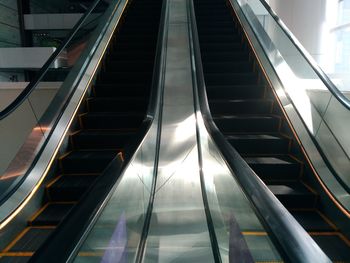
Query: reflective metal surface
point(116, 234)
point(302, 90)
point(40, 131)
point(28, 57)
point(239, 232)
point(25, 124)
point(246, 246)
point(178, 228)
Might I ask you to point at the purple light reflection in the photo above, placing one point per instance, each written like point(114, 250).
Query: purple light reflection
point(116, 250)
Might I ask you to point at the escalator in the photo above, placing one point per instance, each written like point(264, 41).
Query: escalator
point(246, 111)
point(104, 126)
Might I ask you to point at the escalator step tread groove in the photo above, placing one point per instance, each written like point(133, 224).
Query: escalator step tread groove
point(241, 108)
point(84, 161)
point(312, 221)
point(70, 187)
point(108, 139)
point(14, 259)
point(293, 194)
point(108, 121)
point(31, 240)
point(52, 214)
point(107, 104)
point(259, 143)
point(333, 245)
point(247, 106)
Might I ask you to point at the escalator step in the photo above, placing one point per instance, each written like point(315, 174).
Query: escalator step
point(333, 245)
point(219, 46)
point(210, 38)
point(212, 25)
point(145, 13)
point(79, 162)
point(272, 168)
point(252, 106)
point(213, 30)
point(219, 79)
point(68, 188)
point(144, 66)
point(31, 239)
point(145, 17)
point(126, 77)
point(293, 194)
point(151, 22)
point(254, 130)
point(130, 121)
point(205, 16)
point(51, 214)
point(147, 6)
point(235, 91)
point(117, 104)
point(259, 143)
point(145, 30)
point(132, 55)
point(15, 259)
point(132, 38)
point(218, 12)
point(247, 123)
point(312, 221)
point(227, 67)
point(108, 122)
point(225, 56)
point(122, 45)
point(124, 90)
point(106, 139)
point(135, 23)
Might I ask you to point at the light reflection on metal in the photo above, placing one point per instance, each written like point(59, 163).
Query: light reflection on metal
point(117, 247)
point(178, 222)
point(92, 72)
point(182, 130)
point(279, 93)
point(299, 95)
point(25, 156)
point(238, 248)
point(42, 128)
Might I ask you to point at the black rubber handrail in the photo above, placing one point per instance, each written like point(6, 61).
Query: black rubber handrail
point(210, 223)
point(41, 73)
point(78, 222)
point(320, 73)
point(157, 101)
point(256, 23)
point(295, 243)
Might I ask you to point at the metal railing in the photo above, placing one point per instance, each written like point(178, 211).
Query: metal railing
point(294, 241)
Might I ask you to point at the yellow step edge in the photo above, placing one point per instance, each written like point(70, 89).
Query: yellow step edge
point(254, 233)
point(19, 236)
point(16, 254)
point(15, 240)
point(38, 212)
point(340, 235)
